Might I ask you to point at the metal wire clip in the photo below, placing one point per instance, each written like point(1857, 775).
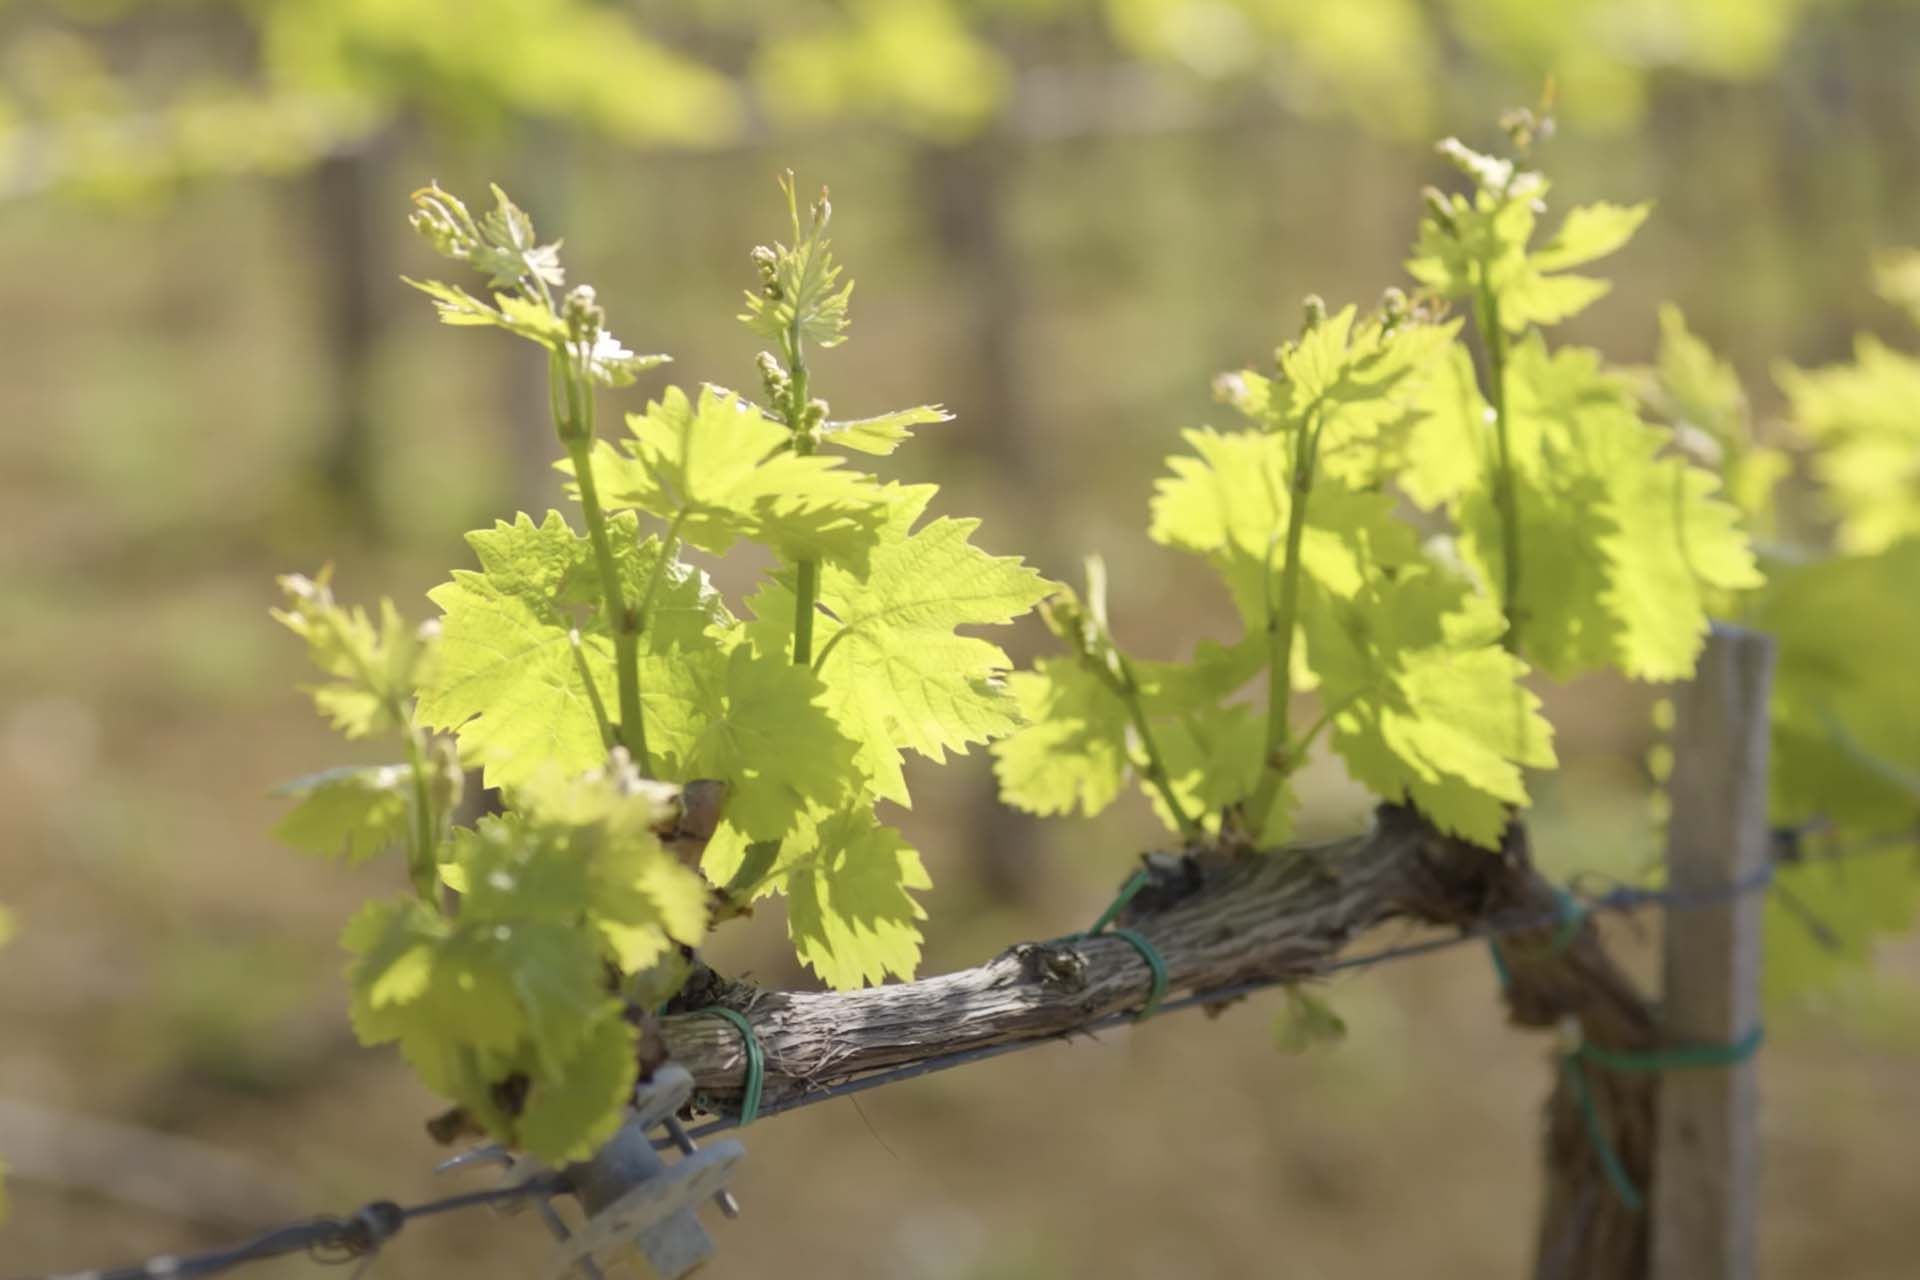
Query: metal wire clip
point(635, 1199)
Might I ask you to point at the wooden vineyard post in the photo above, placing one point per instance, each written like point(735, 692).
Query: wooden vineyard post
point(1706, 1155)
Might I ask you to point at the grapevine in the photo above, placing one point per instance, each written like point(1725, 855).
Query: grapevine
point(599, 681)
point(1420, 511)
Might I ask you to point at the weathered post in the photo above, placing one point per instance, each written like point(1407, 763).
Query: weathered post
point(1706, 1158)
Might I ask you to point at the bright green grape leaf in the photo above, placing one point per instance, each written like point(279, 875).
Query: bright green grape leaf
point(489, 988)
point(898, 677)
point(1212, 750)
point(570, 1112)
point(1695, 388)
point(1357, 384)
point(1077, 747)
point(1354, 382)
point(643, 904)
point(461, 1075)
point(883, 434)
point(1826, 917)
point(765, 728)
point(512, 686)
point(1211, 675)
point(1474, 249)
point(504, 870)
point(801, 293)
point(1069, 752)
point(476, 1001)
point(615, 797)
point(1846, 739)
point(582, 849)
point(1564, 627)
point(721, 470)
point(1626, 547)
point(1425, 705)
point(638, 895)
point(1470, 239)
point(409, 981)
point(510, 682)
point(350, 813)
point(1213, 758)
point(1535, 299)
point(374, 668)
point(849, 881)
point(1861, 419)
point(1589, 232)
point(572, 877)
point(1450, 448)
point(554, 971)
point(530, 320)
point(1230, 504)
point(1350, 367)
point(1677, 552)
point(1701, 397)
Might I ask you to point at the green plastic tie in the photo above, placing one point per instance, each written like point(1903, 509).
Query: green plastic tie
point(756, 1061)
point(1127, 891)
point(1155, 962)
point(1597, 1137)
point(1573, 913)
point(1679, 1057)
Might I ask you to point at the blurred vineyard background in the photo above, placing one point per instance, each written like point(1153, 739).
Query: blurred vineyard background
point(1064, 216)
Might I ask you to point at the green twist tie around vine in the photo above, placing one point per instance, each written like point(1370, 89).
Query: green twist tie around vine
point(1679, 1057)
point(756, 1062)
point(1156, 963)
point(1133, 886)
point(1597, 1137)
point(1572, 914)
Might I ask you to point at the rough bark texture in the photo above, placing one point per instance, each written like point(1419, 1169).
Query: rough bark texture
point(1219, 921)
point(1586, 1231)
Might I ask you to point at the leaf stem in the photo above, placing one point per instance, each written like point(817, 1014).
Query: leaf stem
point(1493, 336)
point(669, 548)
point(1325, 718)
point(576, 432)
point(1155, 767)
point(827, 648)
point(420, 842)
point(1282, 619)
point(806, 586)
point(806, 592)
point(754, 865)
point(607, 738)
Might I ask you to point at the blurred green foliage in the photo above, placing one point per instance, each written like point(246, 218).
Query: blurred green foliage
point(112, 96)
